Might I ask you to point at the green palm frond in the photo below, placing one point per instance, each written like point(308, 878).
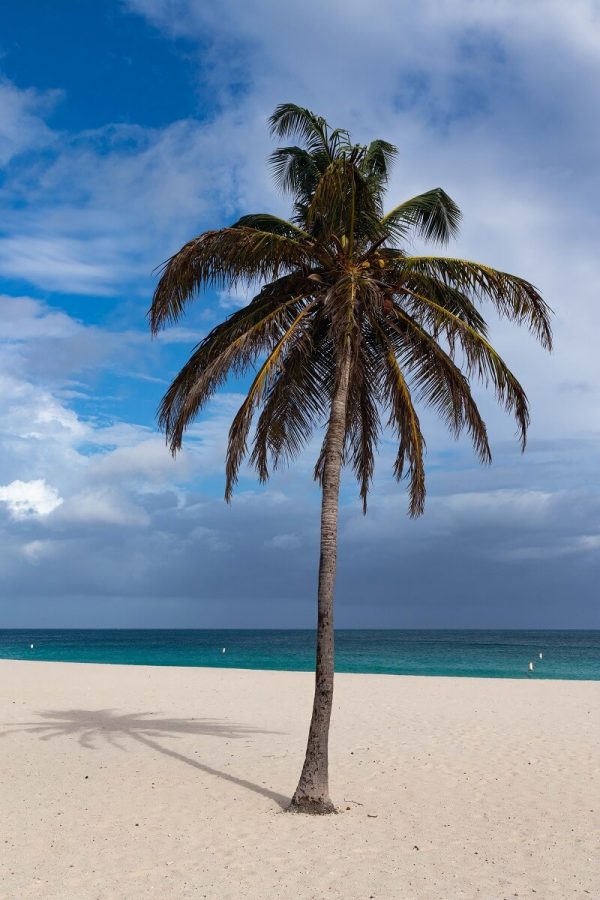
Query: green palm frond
point(378, 159)
point(297, 172)
point(272, 224)
point(290, 120)
point(434, 216)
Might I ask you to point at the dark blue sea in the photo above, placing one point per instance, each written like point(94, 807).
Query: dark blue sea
point(573, 655)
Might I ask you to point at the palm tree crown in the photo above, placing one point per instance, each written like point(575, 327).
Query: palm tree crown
point(339, 284)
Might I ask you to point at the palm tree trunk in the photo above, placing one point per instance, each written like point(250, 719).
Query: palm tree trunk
point(312, 793)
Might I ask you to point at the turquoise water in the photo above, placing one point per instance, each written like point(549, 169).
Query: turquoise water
point(573, 655)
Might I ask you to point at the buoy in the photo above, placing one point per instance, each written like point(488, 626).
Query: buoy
point(541, 655)
point(531, 667)
point(31, 646)
point(223, 650)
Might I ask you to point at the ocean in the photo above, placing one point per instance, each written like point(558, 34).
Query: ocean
point(572, 655)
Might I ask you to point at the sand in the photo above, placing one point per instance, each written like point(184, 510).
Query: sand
point(127, 782)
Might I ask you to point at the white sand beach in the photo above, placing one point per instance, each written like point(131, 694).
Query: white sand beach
point(127, 782)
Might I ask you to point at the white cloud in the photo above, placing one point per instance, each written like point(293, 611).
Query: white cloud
point(34, 414)
point(496, 506)
point(60, 264)
point(30, 498)
point(106, 506)
point(25, 319)
point(146, 460)
point(22, 125)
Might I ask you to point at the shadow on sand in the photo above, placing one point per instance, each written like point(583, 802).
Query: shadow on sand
point(90, 726)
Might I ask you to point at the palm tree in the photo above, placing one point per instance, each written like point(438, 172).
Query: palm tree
point(351, 331)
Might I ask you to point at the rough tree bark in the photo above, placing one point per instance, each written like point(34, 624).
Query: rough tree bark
point(312, 793)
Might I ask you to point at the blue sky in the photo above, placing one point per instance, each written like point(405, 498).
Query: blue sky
point(128, 127)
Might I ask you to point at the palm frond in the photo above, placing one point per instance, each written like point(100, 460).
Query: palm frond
point(378, 159)
point(434, 215)
point(439, 382)
point(230, 347)
point(222, 259)
point(297, 401)
point(272, 224)
point(481, 359)
point(362, 419)
point(339, 142)
point(238, 433)
point(290, 120)
point(443, 294)
point(513, 297)
point(297, 171)
point(404, 421)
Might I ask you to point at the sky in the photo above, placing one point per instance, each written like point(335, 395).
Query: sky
point(128, 127)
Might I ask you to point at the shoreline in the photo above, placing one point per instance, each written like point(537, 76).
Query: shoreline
point(124, 781)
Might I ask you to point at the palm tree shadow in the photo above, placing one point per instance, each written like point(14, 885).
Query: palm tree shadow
point(92, 726)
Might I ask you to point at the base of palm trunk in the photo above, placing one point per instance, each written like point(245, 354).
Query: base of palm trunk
point(312, 806)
